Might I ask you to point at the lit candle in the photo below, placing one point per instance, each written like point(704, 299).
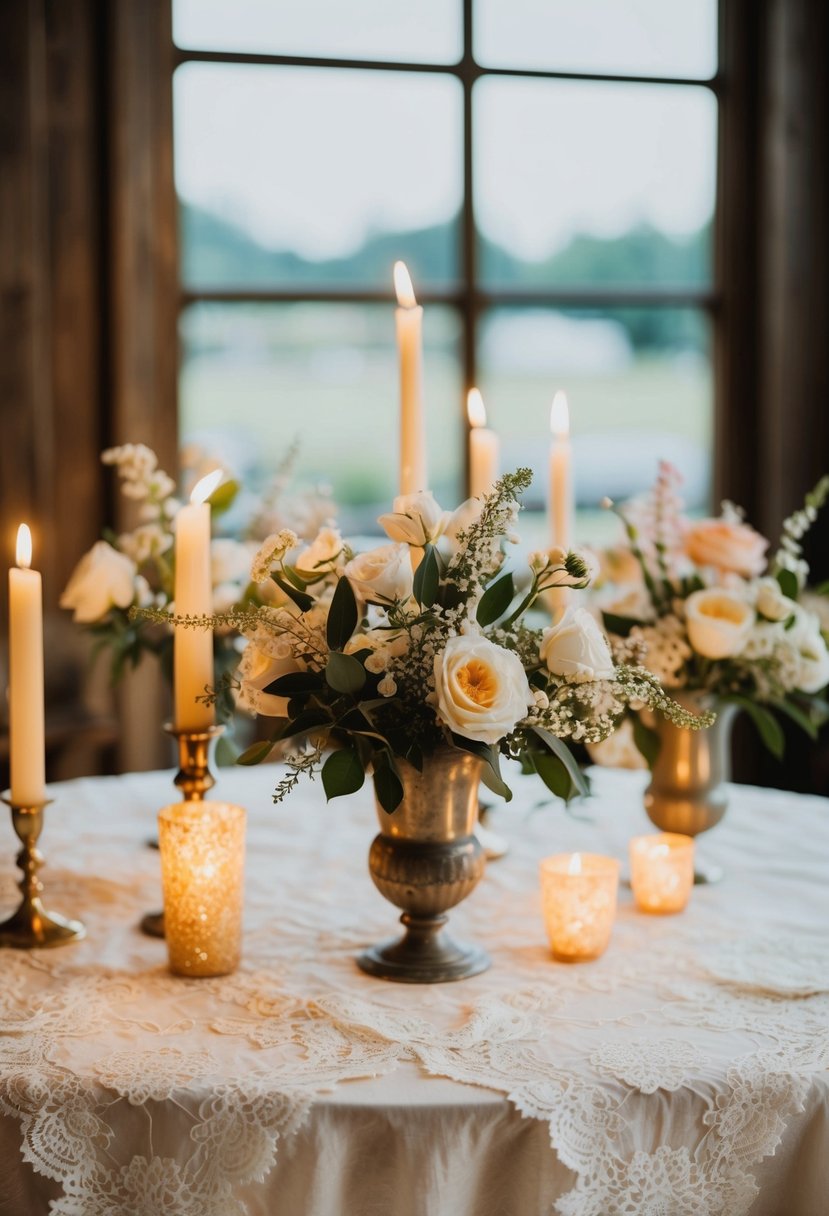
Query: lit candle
point(483, 447)
point(662, 871)
point(193, 648)
point(202, 846)
point(26, 699)
point(561, 474)
point(578, 894)
point(409, 323)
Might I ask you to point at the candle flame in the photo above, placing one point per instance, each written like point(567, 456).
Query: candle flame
point(24, 546)
point(574, 865)
point(203, 489)
point(403, 286)
point(560, 415)
point(475, 408)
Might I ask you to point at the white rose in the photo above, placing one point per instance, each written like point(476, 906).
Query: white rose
point(772, 603)
point(416, 519)
point(719, 623)
point(460, 520)
point(813, 667)
point(384, 573)
point(256, 671)
point(482, 690)
point(229, 561)
point(103, 579)
point(576, 649)
point(322, 553)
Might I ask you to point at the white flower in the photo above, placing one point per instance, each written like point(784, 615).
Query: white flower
point(322, 554)
point(384, 573)
point(229, 561)
point(813, 666)
point(225, 595)
point(387, 686)
point(272, 549)
point(256, 671)
point(576, 649)
point(542, 560)
point(482, 690)
point(145, 542)
point(461, 520)
point(103, 579)
point(719, 623)
point(416, 519)
point(772, 603)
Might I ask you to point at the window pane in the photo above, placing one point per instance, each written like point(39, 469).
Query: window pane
point(608, 183)
point(256, 377)
point(308, 177)
point(637, 37)
point(639, 388)
point(426, 32)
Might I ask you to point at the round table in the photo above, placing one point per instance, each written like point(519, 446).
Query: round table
point(685, 1071)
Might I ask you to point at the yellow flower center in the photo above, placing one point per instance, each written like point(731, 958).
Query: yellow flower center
point(723, 610)
point(478, 683)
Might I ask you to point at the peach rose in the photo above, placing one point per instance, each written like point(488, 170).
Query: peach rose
point(728, 545)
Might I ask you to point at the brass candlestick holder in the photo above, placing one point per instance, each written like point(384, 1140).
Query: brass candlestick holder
point(195, 781)
point(31, 925)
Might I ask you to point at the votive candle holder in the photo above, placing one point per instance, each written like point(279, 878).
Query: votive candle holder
point(579, 893)
point(662, 872)
point(202, 847)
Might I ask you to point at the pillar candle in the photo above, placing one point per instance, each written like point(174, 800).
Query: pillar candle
point(579, 892)
point(26, 698)
point(483, 447)
point(193, 648)
point(409, 324)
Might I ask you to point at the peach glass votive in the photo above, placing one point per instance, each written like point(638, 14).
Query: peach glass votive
point(578, 892)
point(202, 848)
point(662, 871)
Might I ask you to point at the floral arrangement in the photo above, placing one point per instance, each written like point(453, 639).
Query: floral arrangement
point(135, 569)
point(714, 616)
point(424, 643)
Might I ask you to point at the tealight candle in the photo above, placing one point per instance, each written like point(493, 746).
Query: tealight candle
point(662, 871)
point(202, 848)
point(578, 892)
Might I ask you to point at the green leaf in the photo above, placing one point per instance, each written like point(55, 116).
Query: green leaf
point(342, 616)
point(768, 728)
point(294, 578)
point(256, 753)
point(553, 773)
point(344, 673)
point(788, 583)
point(427, 578)
point(620, 625)
point(295, 684)
point(223, 496)
point(302, 723)
point(302, 600)
point(822, 589)
point(491, 771)
point(342, 774)
point(495, 600)
point(798, 715)
point(226, 754)
point(387, 784)
point(564, 754)
point(647, 741)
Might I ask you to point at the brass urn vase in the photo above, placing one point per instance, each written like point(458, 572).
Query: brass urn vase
point(425, 860)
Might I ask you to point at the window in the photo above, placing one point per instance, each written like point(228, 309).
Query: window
point(547, 170)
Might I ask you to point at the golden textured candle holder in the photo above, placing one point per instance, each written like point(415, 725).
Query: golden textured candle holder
point(195, 781)
point(31, 926)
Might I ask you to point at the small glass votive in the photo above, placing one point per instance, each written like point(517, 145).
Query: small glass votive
point(202, 847)
point(578, 893)
point(662, 872)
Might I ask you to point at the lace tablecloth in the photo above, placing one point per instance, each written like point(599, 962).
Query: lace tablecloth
point(685, 1072)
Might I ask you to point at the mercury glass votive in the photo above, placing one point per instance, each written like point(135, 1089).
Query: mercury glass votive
point(202, 847)
point(662, 871)
point(578, 892)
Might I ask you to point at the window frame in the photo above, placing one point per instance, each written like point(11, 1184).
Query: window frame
point(469, 297)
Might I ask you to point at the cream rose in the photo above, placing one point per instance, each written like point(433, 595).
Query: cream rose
point(813, 667)
point(727, 545)
point(416, 519)
point(771, 603)
point(103, 579)
point(384, 573)
point(460, 520)
point(256, 671)
point(576, 649)
point(322, 554)
point(719, 623)
point(482, 690)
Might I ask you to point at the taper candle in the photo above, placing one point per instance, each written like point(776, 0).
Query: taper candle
point(409, 324)
point(561, 474)
point(483, 447)
point(193, 647)
point(26, 695)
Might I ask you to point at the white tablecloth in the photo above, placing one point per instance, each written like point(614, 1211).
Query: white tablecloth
point(685, 1072)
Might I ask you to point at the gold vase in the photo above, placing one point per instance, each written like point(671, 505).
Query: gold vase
point(425, 860)
point(688, 789)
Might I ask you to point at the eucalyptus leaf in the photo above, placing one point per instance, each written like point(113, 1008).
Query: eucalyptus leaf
point(554, 774)
point(342, 774)
point(344, 673)
point(560, 749)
